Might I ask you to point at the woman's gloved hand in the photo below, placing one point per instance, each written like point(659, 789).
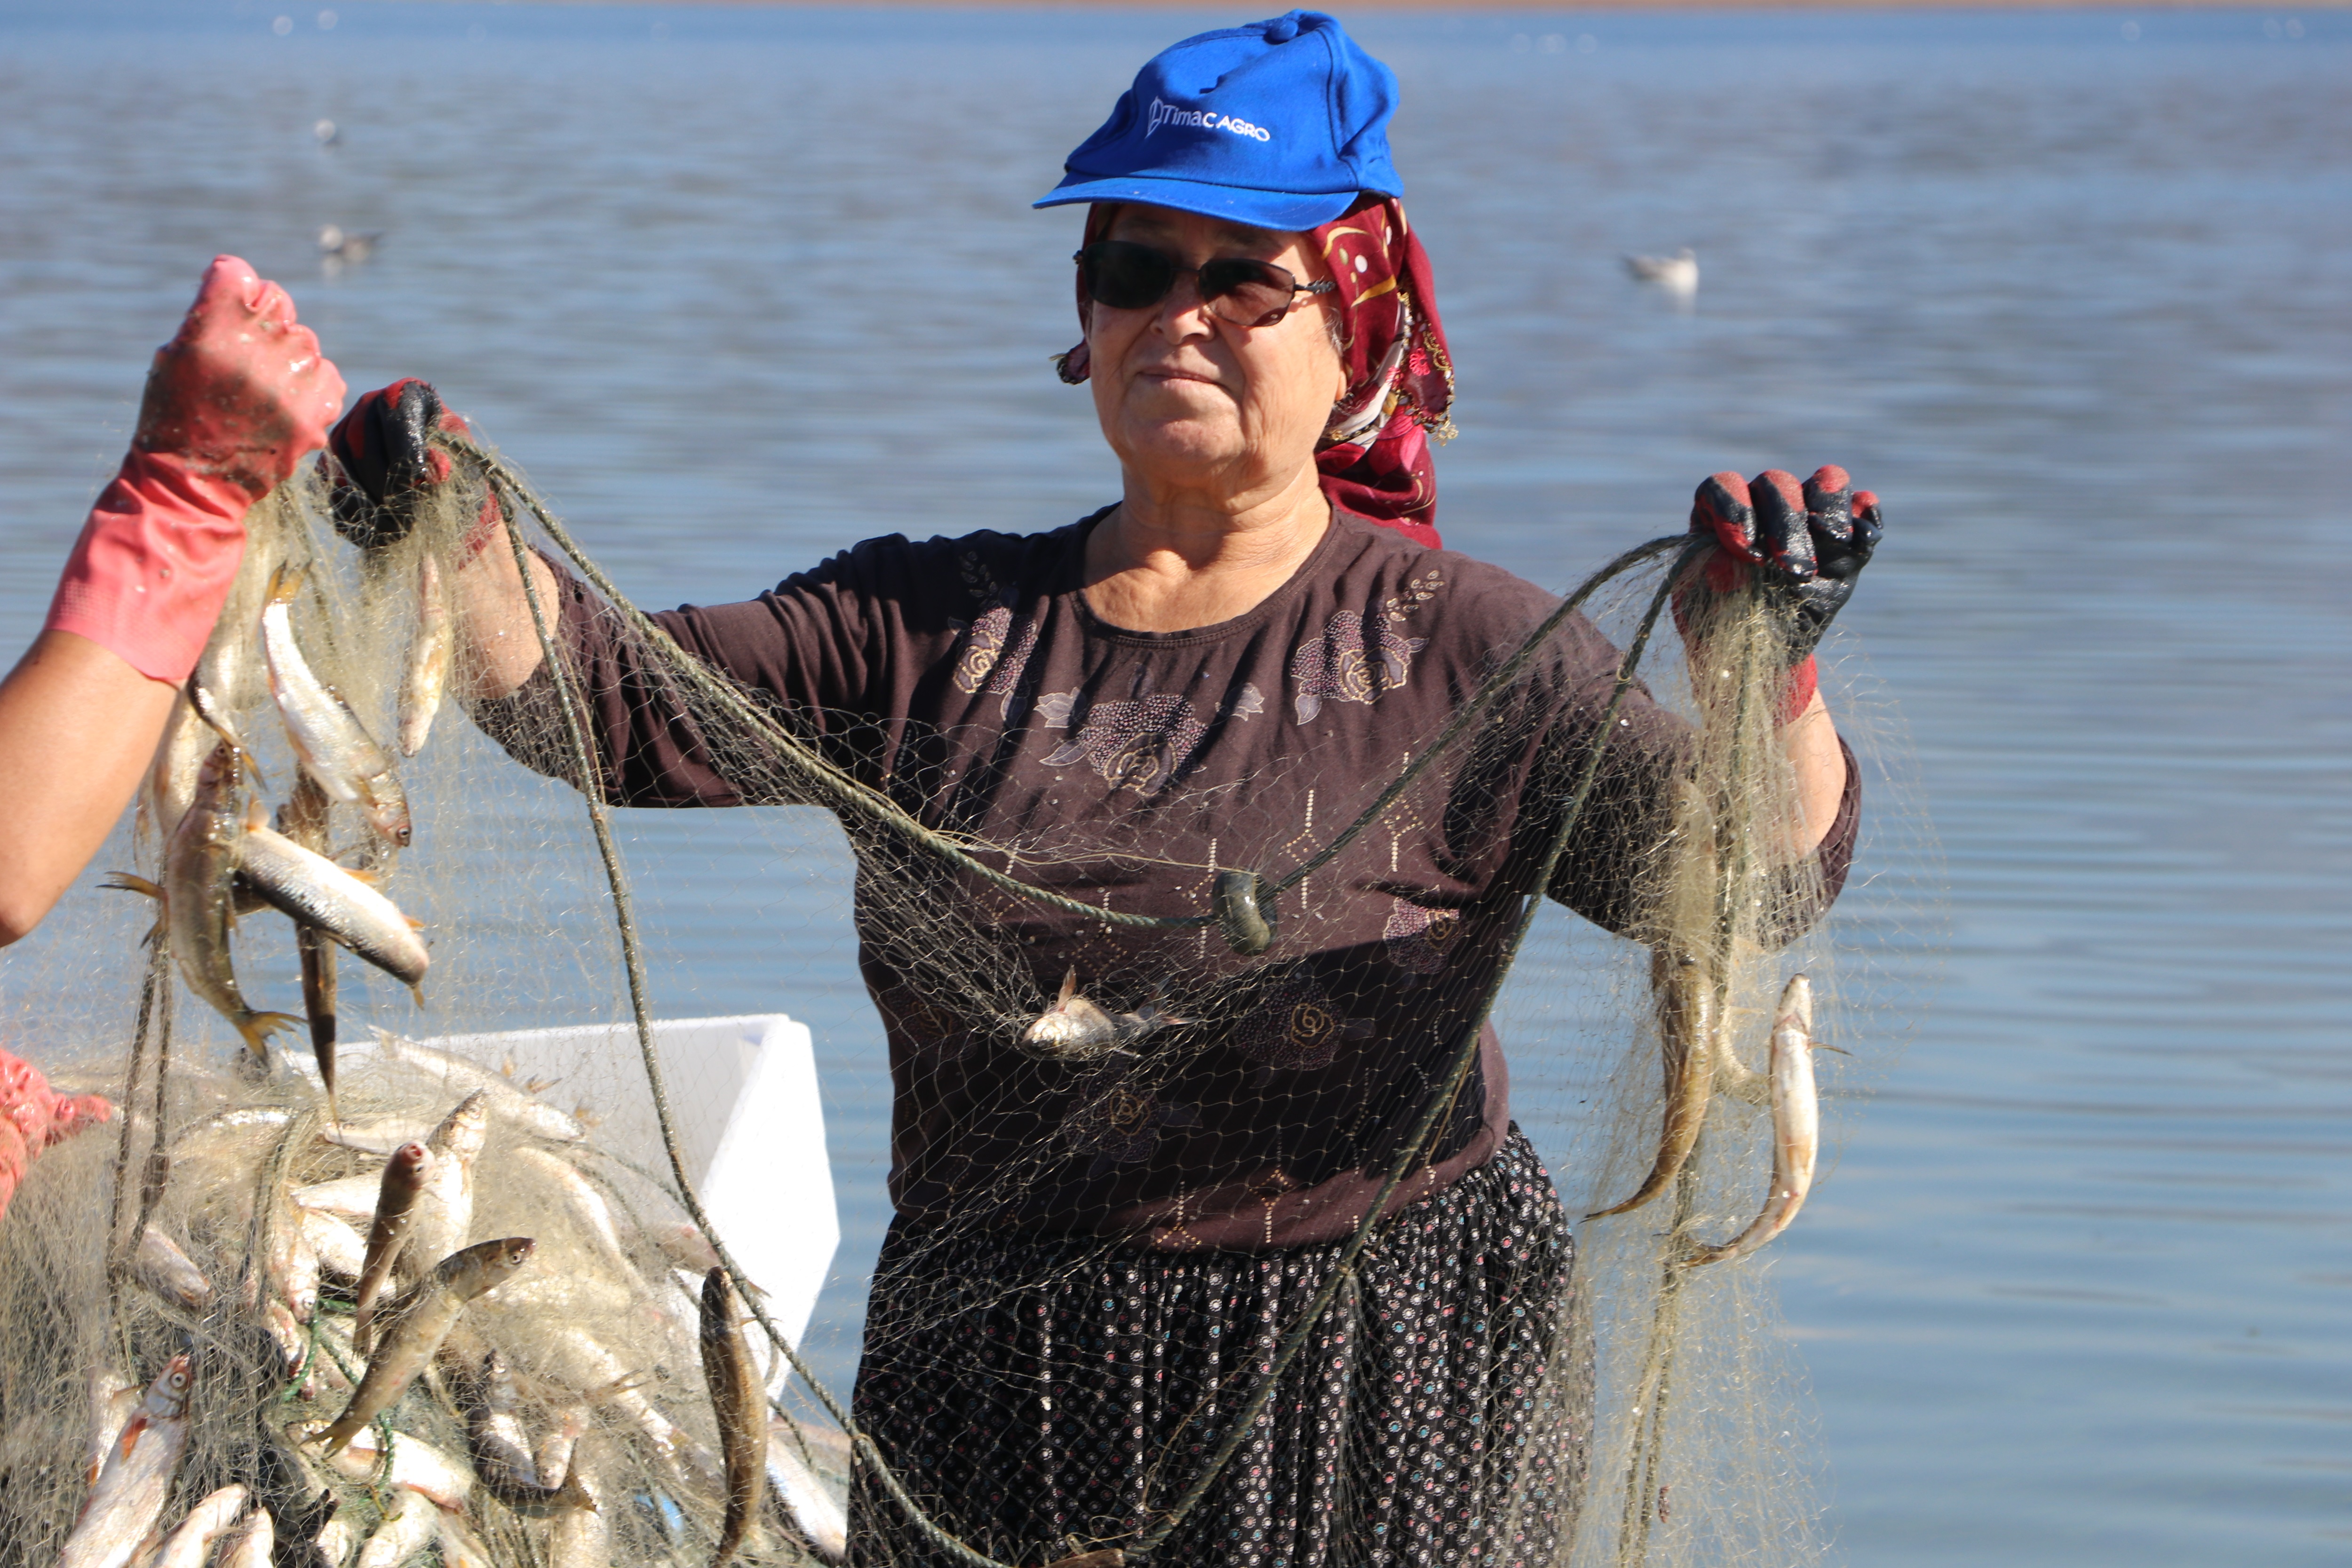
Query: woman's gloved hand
point(32, 1116)
point(1805, 544)
point(232, 404)
point(383, 454)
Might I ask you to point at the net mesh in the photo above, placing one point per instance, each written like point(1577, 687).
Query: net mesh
point(1112, 989)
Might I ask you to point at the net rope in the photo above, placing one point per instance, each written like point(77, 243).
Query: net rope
point(233, 1168)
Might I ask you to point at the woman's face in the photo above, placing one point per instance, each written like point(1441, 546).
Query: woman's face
point(1190, 400)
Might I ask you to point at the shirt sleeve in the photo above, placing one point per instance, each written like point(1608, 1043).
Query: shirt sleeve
point(818, 652)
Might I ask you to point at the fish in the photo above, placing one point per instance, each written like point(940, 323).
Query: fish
point(582, 1538)
point(304, 820)
point(739, 1400)
point(823, 1520)
point(445, 1205)
point(502, 1458)
point(432, 1473)
point(459, 1548)
point(592, 1214)
point(428, 670)
point(377, 1135)
point(345, 1194)
point(192, 1540)
point(254, 1546)
point(1684, 990)
point(1076, 1030)
point(397, 1190)
point(319, 894)
point(421, 1320)
point(334, 747)
point(1796, 1127)
point(171, 782)
point(534, 1115)
point(163, 1268)
point(409, 1521)
point(112, 1398)
point(132, 1488)
point(199, 864)
point(341, 1249)
point(331, 1547)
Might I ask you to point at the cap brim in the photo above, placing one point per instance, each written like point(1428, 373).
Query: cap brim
point(1259, 209)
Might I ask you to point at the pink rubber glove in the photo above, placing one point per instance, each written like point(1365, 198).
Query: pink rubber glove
point(32, 1116)
point(232, 403)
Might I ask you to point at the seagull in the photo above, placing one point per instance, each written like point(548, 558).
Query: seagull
point(338, 250)
point(1676, 274)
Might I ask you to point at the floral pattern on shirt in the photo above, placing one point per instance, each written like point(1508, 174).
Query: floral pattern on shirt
point(1122, 1125)
point(1417, 938)
point(991, 657)
point(1139, 744)
point(1296, 1028)
point(1352, 662)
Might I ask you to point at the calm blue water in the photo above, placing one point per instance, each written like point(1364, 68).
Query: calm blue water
point(2068, 288)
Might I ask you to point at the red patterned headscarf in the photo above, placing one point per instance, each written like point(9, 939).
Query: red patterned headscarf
point(1375, 455)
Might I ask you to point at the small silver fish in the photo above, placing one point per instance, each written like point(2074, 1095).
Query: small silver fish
point(191, 1541)
point(304, 820)
point(739, 1399)
point(505, 1098)
point(501, 1456)
point(421, 1320)
point(171, 781)
point(252, 1547)
point(415, 1465)
point(163, 1268)
point(112, 1398)
point(397, 1191)
point(1796, 1127)
point(822, 1519)
point(334, 746)
point(428, 670)
point(319, 894)
point(445, 1206)
point(1076, 1030)
point(1682, 990)
point(200, 865)
point(341, 1249)
point(132, 1488)
point(409, 1522)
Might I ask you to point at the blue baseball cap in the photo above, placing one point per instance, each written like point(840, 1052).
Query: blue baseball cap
point(1277, 124)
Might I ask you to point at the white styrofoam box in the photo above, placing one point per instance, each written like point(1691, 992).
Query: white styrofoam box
point(743, 1097)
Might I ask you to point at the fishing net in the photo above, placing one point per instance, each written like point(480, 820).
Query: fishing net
point(1125, 990)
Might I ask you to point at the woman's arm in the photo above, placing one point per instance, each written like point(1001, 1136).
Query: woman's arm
point(232, 403)
point(77, 727)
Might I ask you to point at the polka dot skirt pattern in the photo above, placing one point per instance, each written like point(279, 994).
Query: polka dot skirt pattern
point(1038, 1420)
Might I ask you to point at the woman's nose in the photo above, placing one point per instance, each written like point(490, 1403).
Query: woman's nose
point(1184, 314)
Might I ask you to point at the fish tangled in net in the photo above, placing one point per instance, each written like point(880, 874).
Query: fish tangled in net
point(388, 1303)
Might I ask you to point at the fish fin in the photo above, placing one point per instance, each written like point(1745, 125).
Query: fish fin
point(256, 1029)
point(125, 882)
point(131, 1430)
point(372, 878)
point(1070, 987)
point(285, 583)
point(413, 923)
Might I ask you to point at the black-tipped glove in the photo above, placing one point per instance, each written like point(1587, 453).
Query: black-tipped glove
point(382, 450)
point(1806, 543)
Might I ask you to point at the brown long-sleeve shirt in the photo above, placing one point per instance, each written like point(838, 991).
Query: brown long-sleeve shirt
point(968, 680)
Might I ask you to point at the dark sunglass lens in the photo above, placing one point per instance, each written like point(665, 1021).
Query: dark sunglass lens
point(1127, 276)
point(1245, 292)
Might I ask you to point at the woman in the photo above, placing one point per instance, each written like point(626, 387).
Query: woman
point(1095, 1254)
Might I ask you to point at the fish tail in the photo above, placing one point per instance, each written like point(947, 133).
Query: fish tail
point(285, 583)
point(256, 1029)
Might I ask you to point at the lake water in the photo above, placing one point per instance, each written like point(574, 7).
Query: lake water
point(2068, 288)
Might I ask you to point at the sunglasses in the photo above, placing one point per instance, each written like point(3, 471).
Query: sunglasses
point(1131, 276)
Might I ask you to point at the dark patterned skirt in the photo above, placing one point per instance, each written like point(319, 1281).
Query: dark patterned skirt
point(1045, 1397)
